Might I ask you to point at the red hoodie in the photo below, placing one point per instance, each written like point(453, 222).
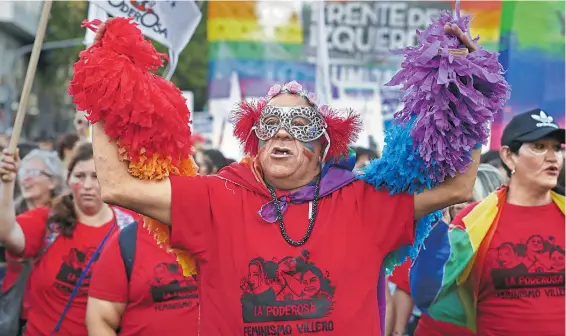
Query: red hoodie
point(252, 282)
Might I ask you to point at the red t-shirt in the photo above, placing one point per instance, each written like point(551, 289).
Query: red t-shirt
point(522, 286)
point(252, 282)
point(160, 300)
point(426, 325)
point(400, 276)
point(13, 269)
point(54, 277)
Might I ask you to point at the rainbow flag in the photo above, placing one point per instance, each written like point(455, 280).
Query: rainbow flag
point(445, 276)
point(486, 20)
point(240, 41)
point(532, 52)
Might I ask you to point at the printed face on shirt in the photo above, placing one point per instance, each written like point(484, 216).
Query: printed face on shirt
point(284, 157)
point(169, 284)
point(35, 181)
point(533, 262)
point(71, 268)
point(85, 188)
point(538, 163)
point(287, 290)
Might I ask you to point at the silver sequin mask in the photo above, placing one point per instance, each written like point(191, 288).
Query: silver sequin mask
point(303, 123)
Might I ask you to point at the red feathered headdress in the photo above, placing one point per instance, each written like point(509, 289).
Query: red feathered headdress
point(340, 131)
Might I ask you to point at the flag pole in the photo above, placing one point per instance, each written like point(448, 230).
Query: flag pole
point(30, 75)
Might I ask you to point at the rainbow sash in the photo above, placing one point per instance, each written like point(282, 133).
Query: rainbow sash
point(445, 276)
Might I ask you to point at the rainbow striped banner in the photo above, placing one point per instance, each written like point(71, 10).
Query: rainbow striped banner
point(239, 41)
point(486, 21)
point(532, 52)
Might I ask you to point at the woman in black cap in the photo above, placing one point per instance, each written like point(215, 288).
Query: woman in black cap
point(517, 271)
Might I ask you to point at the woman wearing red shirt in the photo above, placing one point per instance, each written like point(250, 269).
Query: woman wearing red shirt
point(71, 229)
point(517, 281)
point(41, 178)
point(488, 180)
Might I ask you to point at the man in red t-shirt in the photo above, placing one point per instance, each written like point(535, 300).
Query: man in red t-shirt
point(156, 299)
point(265, 268)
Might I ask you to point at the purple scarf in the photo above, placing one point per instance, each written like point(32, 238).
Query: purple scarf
point(333, 180)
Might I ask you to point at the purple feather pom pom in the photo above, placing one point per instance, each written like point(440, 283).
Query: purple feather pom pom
point(453, 98)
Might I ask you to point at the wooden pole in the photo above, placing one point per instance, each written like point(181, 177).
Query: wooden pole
point(30, 75)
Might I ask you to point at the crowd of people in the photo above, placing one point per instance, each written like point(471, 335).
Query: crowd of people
point(290, 240)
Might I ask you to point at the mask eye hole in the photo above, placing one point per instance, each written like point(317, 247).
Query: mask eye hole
point(271, 121)
point(299, 121)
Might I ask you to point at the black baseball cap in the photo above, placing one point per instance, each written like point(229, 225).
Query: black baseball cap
point(531, 126)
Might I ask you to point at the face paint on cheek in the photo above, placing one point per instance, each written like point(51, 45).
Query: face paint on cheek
point(76, 188)
point(308, 154)
point(308, 151)
point(261, 144)
point(309, 146)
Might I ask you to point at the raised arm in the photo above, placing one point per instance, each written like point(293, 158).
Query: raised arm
point(150, 198)
point(458, 189)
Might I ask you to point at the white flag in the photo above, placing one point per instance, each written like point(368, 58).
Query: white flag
point(171, 23)
point(322, 78)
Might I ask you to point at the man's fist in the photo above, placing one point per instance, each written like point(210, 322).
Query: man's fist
point(101, 30)
point(465, 39)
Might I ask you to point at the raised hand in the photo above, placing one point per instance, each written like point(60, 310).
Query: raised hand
point(101, 30)
point(9, 165)
point(465, 39)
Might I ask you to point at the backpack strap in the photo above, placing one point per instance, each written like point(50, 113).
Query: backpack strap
point(122, 220)
point(81, 279)
point(127, 242)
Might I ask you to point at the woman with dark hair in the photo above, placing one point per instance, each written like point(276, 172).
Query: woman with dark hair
point(65, 147)
point(62, 240)
point(217, 158)
point(488, 180)
point(210, 161)
point(470, 270)
point(363, 156)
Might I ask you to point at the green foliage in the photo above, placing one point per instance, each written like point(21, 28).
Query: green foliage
point(192, 71)
point(64, 24)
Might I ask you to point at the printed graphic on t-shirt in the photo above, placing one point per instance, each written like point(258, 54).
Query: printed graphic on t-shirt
point(530, 269)
point(169, 289)
point(290, 289)
point(71, 269)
